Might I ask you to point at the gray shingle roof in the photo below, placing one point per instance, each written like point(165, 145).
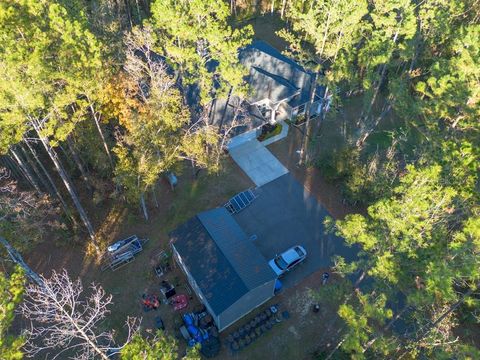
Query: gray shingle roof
point(269, 86)
point(221, 259)
point(244, 257)
point(261, 55)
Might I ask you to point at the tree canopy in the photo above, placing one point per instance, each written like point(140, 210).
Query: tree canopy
point(99, 99)
point(11, 293)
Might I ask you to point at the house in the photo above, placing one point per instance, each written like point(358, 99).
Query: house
point(279, 90)
point(224, 268)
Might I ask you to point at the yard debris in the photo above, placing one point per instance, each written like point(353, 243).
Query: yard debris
point(199, 328)
point(161, 264)
point(179, 302)
point(150, 302)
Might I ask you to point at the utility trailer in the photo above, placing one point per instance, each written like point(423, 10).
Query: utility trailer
point(122, 252)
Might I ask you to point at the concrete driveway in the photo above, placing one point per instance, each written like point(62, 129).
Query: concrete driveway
point(286, 214)
point(257, 162)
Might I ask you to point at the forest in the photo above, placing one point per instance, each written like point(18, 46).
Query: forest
point(100, 100)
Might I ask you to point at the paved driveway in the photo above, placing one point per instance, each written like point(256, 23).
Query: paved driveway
point(286, 214)
point(257, 162)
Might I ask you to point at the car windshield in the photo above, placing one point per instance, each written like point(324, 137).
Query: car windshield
point(299, 251)
point(280, 262)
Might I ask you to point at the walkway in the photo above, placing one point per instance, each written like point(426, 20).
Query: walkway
point(257, 162)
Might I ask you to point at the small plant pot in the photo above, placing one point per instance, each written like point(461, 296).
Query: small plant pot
point(241, 331)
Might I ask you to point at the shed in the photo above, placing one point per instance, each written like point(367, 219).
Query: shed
point(224, 268)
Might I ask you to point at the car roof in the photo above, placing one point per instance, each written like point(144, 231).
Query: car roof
point(290, 255)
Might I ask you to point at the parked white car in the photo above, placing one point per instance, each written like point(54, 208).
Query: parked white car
point(287, 260)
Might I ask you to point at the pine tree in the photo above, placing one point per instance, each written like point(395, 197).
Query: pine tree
point(321, 33)
point(159, 347)
point(420, 245)
point(51, 57)
point(196, 40)
point(11, 292)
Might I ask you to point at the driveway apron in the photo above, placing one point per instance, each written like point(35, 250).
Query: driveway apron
point(257, 162)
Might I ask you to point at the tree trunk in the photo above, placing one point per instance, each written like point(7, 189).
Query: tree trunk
point(335, 349)
point(138, 12)
point(308, 129)
point(220, 127)
point(50, 180)
point(366, 115)
point(105, 146)
point(144, 207)
point(36, 171)
point(361, 141)
point(154, 193)
point(452, 308)
point(78, 162)
point(17, 259)
point(67, 182)
point(284, 5)
point(360, 279)
point(129, 14)
point(386, 328)
point(25, 170)
point(12, 165)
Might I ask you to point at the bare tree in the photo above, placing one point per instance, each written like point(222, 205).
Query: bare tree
point(146, 68)
point(29, 215)
point(66, 320)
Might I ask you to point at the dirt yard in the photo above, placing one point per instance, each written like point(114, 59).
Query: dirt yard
point(298, 337)
point(129, 283)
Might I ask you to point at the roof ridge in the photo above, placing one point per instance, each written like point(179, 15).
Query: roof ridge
point(276, 77)
point(240, 269)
